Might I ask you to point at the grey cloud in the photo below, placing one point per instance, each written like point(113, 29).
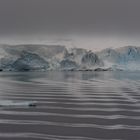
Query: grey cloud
point(69, 16)
point(106, 17)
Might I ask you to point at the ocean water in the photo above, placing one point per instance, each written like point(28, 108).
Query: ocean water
point(70, 106)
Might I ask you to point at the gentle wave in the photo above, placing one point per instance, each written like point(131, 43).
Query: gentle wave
point(109, 127)
point(45, 136)
point(70, 108)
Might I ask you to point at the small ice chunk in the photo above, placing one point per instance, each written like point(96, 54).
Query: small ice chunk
point(5, 103)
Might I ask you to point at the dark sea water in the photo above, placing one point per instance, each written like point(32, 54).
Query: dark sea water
point(70, 106)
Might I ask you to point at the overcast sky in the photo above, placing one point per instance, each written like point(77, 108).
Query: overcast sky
point(92, 24)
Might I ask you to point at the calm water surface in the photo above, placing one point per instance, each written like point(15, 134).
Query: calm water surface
point(71, 106)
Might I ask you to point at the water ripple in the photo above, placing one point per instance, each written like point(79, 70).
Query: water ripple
point(70, 107)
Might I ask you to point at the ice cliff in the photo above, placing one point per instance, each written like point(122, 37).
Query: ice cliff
point(125, 58)
point(55, 57)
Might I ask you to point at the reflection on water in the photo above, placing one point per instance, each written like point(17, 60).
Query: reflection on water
point(66, 75)
point(71, 106)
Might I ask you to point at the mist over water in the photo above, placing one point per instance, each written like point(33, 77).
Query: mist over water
point(70, 105)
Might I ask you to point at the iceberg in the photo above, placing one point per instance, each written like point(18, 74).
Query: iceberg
point(35, 57)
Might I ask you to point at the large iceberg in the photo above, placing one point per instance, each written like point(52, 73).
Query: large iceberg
point(32, 57)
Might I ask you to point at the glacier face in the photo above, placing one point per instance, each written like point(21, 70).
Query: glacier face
point(91, 59)
point(56, 57)
point(29, 61)
point(126, 58)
